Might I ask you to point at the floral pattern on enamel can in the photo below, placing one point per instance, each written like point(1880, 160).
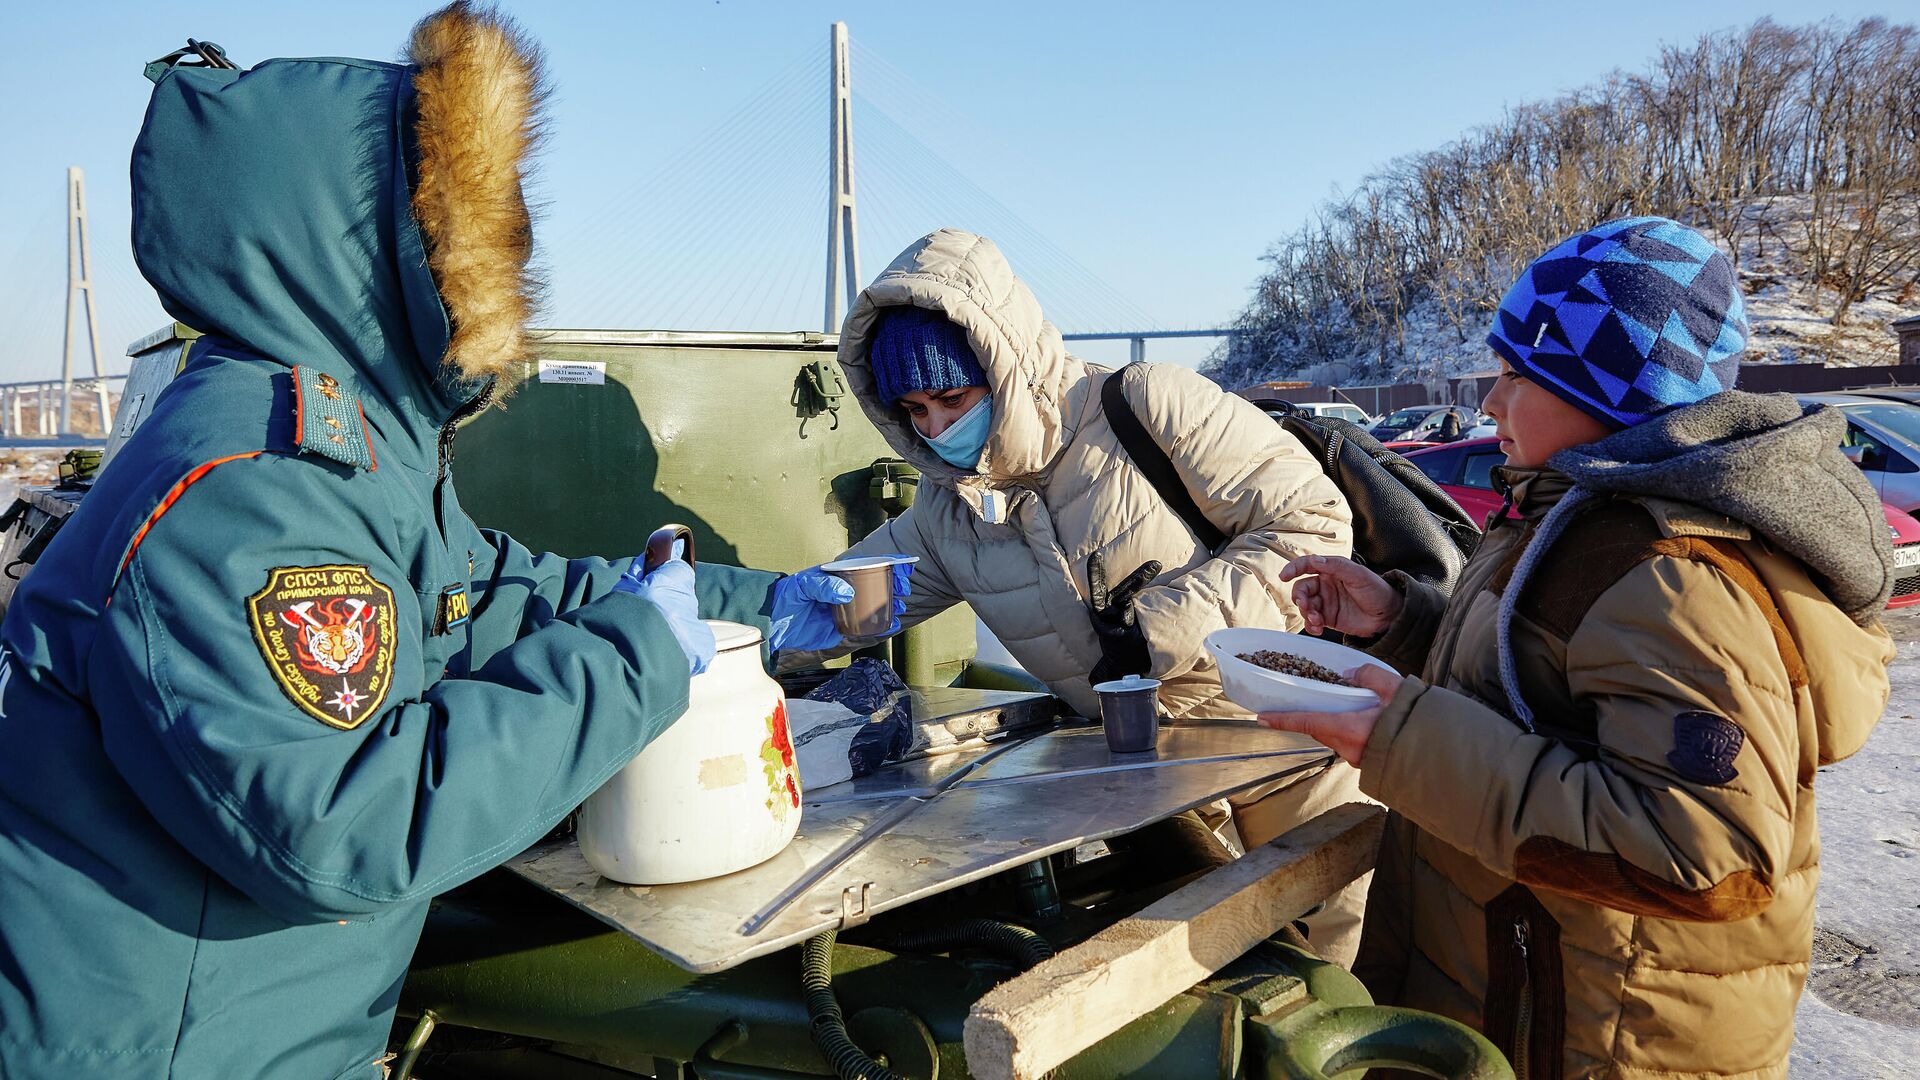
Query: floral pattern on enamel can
point(776, 758)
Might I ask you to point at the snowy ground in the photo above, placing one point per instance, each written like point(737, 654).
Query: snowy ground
point(1861, 1015)
point(26, 468)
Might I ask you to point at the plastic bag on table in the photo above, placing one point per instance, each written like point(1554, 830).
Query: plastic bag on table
point(871, 689)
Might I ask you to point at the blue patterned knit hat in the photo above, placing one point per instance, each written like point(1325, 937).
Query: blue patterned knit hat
point(916, 349)
point(1626, 320)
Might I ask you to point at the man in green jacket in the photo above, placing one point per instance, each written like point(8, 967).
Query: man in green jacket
point(271, 690)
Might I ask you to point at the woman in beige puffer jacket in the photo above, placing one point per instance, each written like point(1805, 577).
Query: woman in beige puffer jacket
point(1053, 487)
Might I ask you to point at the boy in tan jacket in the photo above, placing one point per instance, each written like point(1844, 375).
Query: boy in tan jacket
point(1603, 849)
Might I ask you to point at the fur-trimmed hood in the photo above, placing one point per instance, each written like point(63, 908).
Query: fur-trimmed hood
point(357, 217)
point(481, 91)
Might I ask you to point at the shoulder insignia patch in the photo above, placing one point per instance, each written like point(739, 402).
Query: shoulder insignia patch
point(327, 419)
point(327, 634)
point(1704, 746)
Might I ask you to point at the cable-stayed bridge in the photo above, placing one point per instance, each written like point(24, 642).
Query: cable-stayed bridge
point(724, 234)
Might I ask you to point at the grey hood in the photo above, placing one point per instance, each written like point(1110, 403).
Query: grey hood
point(1769, 463)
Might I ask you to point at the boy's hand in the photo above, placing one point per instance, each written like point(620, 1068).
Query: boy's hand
point(1340, 594)
point(1343, 733)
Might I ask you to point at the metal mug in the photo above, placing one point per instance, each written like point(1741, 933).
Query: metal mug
point(870, 613)
point(1130, 713)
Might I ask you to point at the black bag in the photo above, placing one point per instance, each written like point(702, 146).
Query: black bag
point(1402, 520)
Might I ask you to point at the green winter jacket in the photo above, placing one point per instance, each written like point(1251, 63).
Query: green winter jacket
point(271, 690)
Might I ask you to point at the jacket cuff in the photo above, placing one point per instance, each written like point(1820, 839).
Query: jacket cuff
point(1386, 730)
point(1174, 646)
point(1405, 643)
point(1438, 757)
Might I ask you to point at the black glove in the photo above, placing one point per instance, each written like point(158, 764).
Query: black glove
point(1123, 645)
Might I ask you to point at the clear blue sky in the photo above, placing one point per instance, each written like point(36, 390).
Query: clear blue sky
point(1161, 147)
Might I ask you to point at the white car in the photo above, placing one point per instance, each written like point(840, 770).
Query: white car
point(1339, 410)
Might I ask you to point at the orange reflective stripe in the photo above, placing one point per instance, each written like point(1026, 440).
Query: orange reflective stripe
point(166, 503)
point(365, 430)
point(299, 423)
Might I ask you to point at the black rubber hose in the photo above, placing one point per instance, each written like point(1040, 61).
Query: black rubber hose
point(826, 1024)
point(1016, 943)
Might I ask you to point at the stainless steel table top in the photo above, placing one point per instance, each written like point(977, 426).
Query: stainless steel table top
point(999, 816)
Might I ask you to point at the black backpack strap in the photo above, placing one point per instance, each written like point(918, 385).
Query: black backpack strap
point(1154, 464)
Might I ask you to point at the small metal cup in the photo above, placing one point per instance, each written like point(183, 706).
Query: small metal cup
point(870, 612)
point(1130, 713)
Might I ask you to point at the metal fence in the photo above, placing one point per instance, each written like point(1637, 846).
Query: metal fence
point(1818, 378)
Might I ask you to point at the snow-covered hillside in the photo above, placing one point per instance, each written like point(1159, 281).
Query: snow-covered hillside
point(1790, 315)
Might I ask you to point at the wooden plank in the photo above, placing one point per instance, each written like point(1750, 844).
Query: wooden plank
point(1033, 1023)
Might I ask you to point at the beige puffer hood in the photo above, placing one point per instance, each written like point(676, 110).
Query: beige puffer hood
point(1028, 368)
point(1055, 487)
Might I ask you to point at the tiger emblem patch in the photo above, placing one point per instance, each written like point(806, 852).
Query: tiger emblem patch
point(327, 634)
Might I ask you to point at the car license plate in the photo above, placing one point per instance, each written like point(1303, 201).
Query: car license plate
point(1906, 555)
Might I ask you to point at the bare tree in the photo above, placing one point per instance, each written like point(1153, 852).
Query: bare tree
point(1711, 133)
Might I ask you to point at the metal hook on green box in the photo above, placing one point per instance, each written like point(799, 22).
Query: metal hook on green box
point(818, 388)
point(893, 483)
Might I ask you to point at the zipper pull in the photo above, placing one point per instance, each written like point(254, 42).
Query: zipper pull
point(1522, 1055)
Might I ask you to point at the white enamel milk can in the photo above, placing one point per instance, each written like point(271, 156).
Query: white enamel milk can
point(716, 792)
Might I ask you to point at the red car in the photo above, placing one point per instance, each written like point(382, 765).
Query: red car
point(1906, 556)
point(1465, 471)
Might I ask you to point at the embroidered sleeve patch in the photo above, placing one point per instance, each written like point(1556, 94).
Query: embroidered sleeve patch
point(327, 633)
point(1704, 746)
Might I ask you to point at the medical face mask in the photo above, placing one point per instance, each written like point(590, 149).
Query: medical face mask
point(960, 445)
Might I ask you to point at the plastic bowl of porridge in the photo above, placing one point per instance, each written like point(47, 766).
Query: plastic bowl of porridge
point(1274, 671)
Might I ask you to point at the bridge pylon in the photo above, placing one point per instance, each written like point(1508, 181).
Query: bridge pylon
point(843, 223)
point(79, 289)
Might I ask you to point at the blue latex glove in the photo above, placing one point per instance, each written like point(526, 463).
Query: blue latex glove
point(670, 588)
point(803, 606)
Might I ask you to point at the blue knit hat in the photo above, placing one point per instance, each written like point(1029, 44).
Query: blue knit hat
point(916, 349)
point(1626, 319)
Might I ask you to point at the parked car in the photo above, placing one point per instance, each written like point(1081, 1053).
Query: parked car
point(1421, 422)
point(1908, 394)
point(1339, 410)
point(1883, 438)
point(1398, 421)
point(1464, 470)
point(1906, 557)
